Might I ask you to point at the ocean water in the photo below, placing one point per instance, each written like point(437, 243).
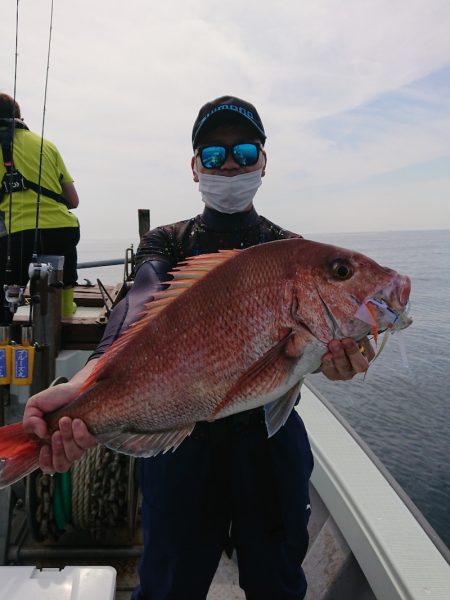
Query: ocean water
point(401, 409)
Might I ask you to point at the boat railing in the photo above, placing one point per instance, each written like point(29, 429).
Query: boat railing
point(397, 549)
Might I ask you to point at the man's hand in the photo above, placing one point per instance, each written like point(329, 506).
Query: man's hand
point(345, 358)
point(71, 440)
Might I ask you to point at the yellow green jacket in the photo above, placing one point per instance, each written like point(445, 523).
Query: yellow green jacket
point(26, 156)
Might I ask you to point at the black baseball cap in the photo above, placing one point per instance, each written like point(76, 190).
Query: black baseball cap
point(222, 110)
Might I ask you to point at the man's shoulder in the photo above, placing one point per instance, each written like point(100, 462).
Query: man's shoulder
point(276, 232)
point(31, 138)
point(162, 242)
point(170, 230)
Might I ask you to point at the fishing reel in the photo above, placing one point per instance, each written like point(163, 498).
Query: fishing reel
point(47, 268)
point(40, 270)
point(13, 296)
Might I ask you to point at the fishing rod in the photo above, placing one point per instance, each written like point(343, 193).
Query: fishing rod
point(41, 152)
point(38, 270)
point(13, 293)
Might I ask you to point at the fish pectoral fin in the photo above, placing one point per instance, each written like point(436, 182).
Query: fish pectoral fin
point(268, 359)
point(144, 444)
point(277, 412)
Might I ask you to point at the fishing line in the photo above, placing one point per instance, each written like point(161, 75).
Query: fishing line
point(8, 268)
point(41, 153)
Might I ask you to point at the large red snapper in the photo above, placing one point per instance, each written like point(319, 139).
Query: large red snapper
point(235, 330)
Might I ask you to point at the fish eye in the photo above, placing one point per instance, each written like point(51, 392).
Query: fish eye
point(341, 269)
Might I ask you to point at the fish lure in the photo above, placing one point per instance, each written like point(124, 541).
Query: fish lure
point(374, 310)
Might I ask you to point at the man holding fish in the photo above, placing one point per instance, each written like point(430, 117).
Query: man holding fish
point(228, 484)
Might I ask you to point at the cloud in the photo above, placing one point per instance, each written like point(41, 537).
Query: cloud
point(348, 91)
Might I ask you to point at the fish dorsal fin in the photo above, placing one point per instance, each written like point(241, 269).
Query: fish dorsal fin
point(185, 275)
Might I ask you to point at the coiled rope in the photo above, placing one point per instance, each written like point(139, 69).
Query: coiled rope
point(83, 472)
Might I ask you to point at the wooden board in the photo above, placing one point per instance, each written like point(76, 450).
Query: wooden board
point(91, 296)
point(85, 328)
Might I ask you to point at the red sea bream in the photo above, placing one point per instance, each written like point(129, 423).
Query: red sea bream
point(235, 330)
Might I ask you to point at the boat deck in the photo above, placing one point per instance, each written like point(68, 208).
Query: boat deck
point(225, 585)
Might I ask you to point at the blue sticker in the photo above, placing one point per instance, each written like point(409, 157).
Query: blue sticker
point(21, 364)
point(3, 372)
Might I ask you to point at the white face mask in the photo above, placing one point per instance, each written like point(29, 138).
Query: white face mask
point(229, 194)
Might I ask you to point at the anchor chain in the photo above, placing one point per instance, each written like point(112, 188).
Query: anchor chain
point(46, 526)
point(108, 498)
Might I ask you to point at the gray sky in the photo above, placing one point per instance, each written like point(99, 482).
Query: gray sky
point(354, 96)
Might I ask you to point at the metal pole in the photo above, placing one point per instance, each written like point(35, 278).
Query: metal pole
point(144, 221)
point(101, 263)
point(47, 324)
point(5, 338)
point(17, 553)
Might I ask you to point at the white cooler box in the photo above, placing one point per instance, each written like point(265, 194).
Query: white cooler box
point(70, 583)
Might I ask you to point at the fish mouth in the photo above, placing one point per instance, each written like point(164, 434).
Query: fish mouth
point(389, 308)
point(386, 309)
point(376, 311)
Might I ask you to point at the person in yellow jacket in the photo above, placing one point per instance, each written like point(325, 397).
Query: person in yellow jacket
point(58, 227)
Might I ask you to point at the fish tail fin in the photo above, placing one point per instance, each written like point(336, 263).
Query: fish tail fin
point(19, 454)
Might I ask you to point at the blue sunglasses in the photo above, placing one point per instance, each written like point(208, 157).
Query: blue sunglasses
point(213, 157)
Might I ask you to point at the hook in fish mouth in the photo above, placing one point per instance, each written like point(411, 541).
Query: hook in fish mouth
point(376, 311)
point(403, 318)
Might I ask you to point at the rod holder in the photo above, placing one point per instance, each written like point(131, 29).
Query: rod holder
point(26, 334)
point(5, 334)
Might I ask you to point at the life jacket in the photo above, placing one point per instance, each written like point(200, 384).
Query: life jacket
point(13, 180)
